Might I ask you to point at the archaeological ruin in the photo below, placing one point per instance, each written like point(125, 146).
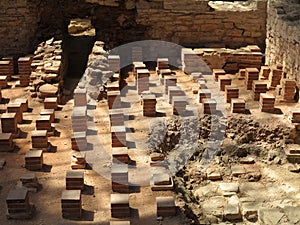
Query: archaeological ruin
point(150, 112)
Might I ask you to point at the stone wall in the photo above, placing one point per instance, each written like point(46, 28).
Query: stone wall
point(18, 25)
point(192, 23)
point(204, 24)
point(283, 37)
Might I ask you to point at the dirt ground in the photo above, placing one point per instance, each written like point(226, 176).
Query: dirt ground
point(96, 196)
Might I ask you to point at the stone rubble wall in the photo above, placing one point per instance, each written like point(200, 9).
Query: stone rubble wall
point(191, 23)
point(197, 24)
point(283, 37)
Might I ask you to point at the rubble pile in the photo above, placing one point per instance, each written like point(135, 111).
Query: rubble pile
point(97, 73)
point(46, 69)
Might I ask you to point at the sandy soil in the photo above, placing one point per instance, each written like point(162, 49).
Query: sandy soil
point(96, 196)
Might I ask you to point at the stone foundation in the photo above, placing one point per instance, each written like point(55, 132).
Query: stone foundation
point(25, 23)
point(283, 37)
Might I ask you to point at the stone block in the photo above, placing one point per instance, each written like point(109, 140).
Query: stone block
point(232, 209)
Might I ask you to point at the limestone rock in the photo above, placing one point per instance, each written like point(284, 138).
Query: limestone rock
point(48, 90)
point(214, 206)
point(229, 188)
point(232, 210)
point(249, 210)
point(269, 216)
point(293, 214)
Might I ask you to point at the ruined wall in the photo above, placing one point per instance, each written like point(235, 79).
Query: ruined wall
point(283, 37)
point(18, 25)
point(204, 23)
point(198, 23)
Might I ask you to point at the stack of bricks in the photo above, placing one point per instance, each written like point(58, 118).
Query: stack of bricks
point(120, 155)
point(79, 140)
point(51, 103)
point(217, 73)
point(78, 161)
point(266, 102)
point(116, 117)
point(258, 87)
point(223, 81)
point(18, 205)
point(16, 107)
point(238, 105)
point(9, 123)
point(179, 105)
point(168, 82)
point(48, 112)
point(6, 142)
point(142, 80)
point(119, 205)
point(79, 119)
point(6, 68)
point(114, 63)
point(174, 91)
point(163, 74)
point(162, 64)
point(118, 136)
point(3, 81)
point(288, 90)
point(34, 160)
point(203, 94)
point(231, 92)
point(80, 97)
point(137, 66)
point(165, 206)
point(24, 65)
point(275, 77)
point(137, 54)
point(251, 75)
point(191, 62)
point(23, 102)
point(296, 116)
point(264, 72)
point(75, 180)
point(11, 64)
point(149, 105)
point(119, 178)
point(43, 123)
point(209, 106)
point(71, 204)
point(233, 60)
point(114, 99)
point(39, 140)
point(30, 181)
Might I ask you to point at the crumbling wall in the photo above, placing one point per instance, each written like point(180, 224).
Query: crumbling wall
point(283, 36)
point(18, 25)
point(205, 23)
point(192, 23)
